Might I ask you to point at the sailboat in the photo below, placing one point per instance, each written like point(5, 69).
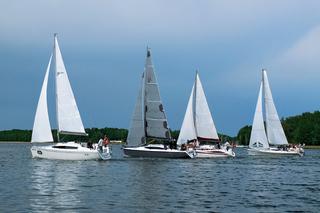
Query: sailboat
point(271, 140)
point(198, 129)
point(68, 119)
point(149, 134)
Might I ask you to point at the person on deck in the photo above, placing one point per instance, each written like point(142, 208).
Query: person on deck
point(89, 145)
point(100, 144)
point(218, 145)
point(183, 147)
point(106, 141)
point(227, 144)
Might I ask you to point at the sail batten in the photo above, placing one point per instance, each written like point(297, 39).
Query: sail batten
point(68, 116)
point(41, 128)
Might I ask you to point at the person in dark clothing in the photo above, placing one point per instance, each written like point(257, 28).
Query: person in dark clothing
point(183, 147)
point(89, 145)
point(218, 145)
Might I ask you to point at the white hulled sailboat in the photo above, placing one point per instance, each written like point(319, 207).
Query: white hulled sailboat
point(198, 127)
point(68, 119)
point(149, 134)
point(275, 141)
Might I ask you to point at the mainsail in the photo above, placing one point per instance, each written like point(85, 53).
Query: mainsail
point(205, 127)
point(275, 131)
point(68, 116)
point(41, 127)
point(258, 138)
point(156, 124)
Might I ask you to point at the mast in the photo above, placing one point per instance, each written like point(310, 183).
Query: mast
point(145, 124)
point(265, 105)
point(194, 103)
point(55, 80)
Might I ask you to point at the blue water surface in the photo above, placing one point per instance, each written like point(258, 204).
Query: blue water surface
point(241, 184)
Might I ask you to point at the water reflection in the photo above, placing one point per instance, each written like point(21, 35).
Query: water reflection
point(146, 180)
point(55, 186)
point(241, 184)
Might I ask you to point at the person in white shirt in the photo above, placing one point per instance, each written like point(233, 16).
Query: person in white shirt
point(100, 144)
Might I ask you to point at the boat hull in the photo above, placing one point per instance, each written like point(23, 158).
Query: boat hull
point(274, 152)
point(81, 153)
point(210, 151)
point(214, 153)
point(157, 153)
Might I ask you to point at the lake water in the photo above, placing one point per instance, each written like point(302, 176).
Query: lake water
point(241, 184)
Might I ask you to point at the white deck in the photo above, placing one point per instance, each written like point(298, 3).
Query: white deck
point(273, 151)
point(210, 151)
point(69, 151)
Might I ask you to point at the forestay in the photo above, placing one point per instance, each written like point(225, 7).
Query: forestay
point(41, 127)
point(275, 131)
point(68, 116)
point(258, 138)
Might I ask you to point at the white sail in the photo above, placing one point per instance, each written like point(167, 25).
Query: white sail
point(187, 131)
point(136, 134)
point(205, 127)
point(275, 131)
point(156, 122)
point(41, 127)
point(258, 138)
point(68, 116)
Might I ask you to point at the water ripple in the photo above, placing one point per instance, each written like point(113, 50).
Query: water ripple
point(241, 184)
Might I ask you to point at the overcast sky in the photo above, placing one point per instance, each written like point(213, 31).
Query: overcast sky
point(104, 47)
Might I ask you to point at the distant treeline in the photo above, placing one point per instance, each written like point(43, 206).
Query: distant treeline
point(303, 128)
point(94, 135)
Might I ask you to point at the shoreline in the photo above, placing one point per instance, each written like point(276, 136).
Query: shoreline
point(14, 142)
point(118, 142)
point(312, 147)
point(111, 142)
